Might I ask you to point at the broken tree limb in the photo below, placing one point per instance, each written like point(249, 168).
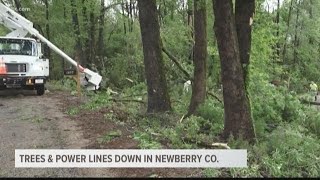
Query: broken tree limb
point(223, 145)
point(134, 95)
point(215, 96)
point(201, 144)
point(111, 6)
point(127, 100)
point(205, 144)
point(182, 118)
point(175, 60)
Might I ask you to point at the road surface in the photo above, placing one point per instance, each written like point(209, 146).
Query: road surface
point(28, 121)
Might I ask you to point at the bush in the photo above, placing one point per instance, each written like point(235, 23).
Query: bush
point(292, 153)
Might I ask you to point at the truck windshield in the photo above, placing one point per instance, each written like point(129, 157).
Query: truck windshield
point(17, 47)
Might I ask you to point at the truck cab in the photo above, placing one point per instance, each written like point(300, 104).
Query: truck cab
point(22, 64)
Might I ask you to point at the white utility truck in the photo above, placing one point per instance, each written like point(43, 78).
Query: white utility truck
point(22, 64)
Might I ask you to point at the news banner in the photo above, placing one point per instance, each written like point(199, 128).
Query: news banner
point(129, 158)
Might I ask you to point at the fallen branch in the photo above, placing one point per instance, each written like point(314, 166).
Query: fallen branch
point(130, 80)
point(207, 144)
point(182, 118)
point(201, 144)
point(127, 100)
point(224, 145)
point(175, 60)
point(176, 101)
point(215, 96)
point(134, 95)
point(112, 92)
point(111, 6)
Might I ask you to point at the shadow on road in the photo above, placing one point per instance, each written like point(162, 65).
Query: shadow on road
point(17, 92)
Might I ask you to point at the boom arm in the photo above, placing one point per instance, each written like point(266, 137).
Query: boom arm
point(20, 27)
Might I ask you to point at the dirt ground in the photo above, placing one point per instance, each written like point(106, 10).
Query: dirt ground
point(40, 122)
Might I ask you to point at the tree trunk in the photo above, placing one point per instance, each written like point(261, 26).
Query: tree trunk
point(131, 15)
point(287, 33)
point(160, 14)
point(101, 32)
point(158, 96)
point(19, 8)
point(63, 64)
point(244, 18)
point(90, 24)
point(92, 38)
point(76, 27)
point(86, 24)
point(190, 24)
point(311, 6)
point(123, 16)
point(135, 10)
point(278, 29)
point(237, 113)
point(165, 11)
point(200, 56)
point(21, 12)
point(296, 38)
point(47, 50)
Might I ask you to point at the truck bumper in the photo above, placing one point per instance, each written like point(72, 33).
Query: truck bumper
point(21, 82)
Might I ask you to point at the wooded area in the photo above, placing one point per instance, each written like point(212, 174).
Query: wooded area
point(249, 64)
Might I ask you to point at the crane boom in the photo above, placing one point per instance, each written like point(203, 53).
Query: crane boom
point(21, 26)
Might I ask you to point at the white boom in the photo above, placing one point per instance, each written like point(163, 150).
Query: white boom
point(20, 27)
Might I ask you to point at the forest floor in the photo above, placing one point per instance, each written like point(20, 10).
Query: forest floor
point(28, 121)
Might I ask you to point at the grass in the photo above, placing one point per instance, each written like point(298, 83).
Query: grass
point(109, 136)
point(73, 111)
point(37, 119)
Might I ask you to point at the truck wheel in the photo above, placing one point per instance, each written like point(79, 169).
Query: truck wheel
point(40, 90)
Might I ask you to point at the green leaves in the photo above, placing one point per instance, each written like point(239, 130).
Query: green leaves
point(109, 136)
point(294, 158)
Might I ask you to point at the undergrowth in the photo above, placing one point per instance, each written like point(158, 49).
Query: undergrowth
point(287, 131)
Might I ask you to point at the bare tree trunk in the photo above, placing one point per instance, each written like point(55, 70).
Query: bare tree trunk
point(101, 32)
point(131, 15)
point(86, 44)
point(63, 64)
point(47, 50)
point(287, 33)
point(278, 29)
point(19, 8)
point(200, 56)
point(237, 120)
point(90, 24)
point(123, 15)
point(158, 96)
point(296, 38)
point(160, 14)
point(92, 37)
point(135, 10)
point(128, 15)
point(76, 27)
point(21, 12)
point(165, 10)
point(311, 6)
point(244, 17)
point(190, 24)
